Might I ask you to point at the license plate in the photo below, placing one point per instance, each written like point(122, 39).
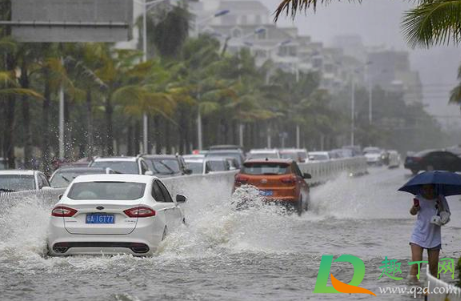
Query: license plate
point(266, 192)
point(98, 218)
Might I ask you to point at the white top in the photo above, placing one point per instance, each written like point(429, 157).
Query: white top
point(18, 172)
point(426, 234)
point(115, 178)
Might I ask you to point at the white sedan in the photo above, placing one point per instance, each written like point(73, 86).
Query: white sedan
point(113, 214)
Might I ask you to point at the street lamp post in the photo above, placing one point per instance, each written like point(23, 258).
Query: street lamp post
point(197, 30)
point(145, 5)
point(353, 112)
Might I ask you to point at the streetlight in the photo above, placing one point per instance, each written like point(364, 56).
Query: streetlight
point(145, 5)
point(197, 29)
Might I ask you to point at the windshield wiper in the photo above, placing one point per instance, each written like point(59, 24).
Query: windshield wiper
point(172, 172)
point(7, 190)
point(65, 179)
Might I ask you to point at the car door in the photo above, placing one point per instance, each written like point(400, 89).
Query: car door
point(451, 162)
point(175, 213)
point(164, 202)
point(303, 186)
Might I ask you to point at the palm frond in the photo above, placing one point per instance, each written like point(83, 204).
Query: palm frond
point(436, 22)
point(294, 6)
point(19, 91)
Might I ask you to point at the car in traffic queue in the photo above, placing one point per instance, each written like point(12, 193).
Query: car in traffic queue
point(22, 180)
point(298, 155)
point(208, 165)
point(278, 180)
point(164, 166)
point(123, 165)
point(263, 154)
point(237, 154)
point(113, 214)
point(394, 159)
point(62, 177)
point(319, 156)
point(373, 155)
point(433, 160)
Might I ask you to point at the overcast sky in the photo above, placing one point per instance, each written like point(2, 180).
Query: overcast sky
point(378, 22)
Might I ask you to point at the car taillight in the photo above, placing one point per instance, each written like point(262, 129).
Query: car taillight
point(62, 211)
point(140, 212)
point(239, 179)
point(288, 180)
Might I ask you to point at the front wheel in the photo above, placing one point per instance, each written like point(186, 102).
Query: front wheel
point(300, 207)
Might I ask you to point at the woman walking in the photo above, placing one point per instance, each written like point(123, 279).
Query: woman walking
point(432, 212)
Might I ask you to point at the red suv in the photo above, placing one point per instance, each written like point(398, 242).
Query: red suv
point(278, 180)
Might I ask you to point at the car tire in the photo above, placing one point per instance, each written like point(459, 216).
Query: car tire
point(300, 207)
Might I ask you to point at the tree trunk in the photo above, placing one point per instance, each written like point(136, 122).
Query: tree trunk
point(24, 80)
point(109, 127)
point(89, 125)
point(46, 156)
point(129, 139)
point(158, 144)
point(137, 138)
point(8, 139)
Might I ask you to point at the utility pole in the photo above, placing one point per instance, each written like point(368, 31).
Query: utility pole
point(353, 112)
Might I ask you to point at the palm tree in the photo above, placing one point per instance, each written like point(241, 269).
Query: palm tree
point(431, 22)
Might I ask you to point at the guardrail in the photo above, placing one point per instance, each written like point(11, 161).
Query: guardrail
point(221, 182)
point(322, 171)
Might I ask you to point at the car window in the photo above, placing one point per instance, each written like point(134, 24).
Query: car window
point(44, 180)
point(11, 183)
point(165, 166)
point(124, 167)
point(166, 194)
point(195, 167)
point(296, 169)
point(144, 167)
point(216, 166)
point(157, 192)
point(106, 191)
point(265, 168)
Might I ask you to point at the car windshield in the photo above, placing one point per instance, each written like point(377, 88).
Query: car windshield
point(372, 151)
point(227, 155)
point(265, 168)
point(293, 156)
point(196, 167)
point(215, 166)
point(122, 191)
point(263, 156)
point(164, 166)
point(12, 183)
point(124, 167)
point(63, 178)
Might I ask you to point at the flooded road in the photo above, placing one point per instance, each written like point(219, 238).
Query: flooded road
point(223, 254)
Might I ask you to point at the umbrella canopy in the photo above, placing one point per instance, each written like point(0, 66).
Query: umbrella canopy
point(446, 183)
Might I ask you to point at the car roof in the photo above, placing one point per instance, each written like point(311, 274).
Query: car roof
point(218, 151)
point(18, 172)
point(207, 159)
point(160, 156)
point(81, 169)
point(318, 153)
point(225, 147)
point(264, 151)
point(269, 160)
point(292, 150)
point(194, 160)
point(115, 159)
point(115, 178)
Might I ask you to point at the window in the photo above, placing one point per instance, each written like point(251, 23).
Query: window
point(123, 191)
point(265, 168)
point(11, 183)
point(124, 167)
point(144, 168)
point(44, 180)
point(166, 194)
point(157, 192)
point(296, 170)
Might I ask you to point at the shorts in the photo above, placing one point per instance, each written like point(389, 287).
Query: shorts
point(439, 247)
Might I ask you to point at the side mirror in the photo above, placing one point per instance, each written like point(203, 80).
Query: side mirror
point(188, 171)
point(149, 173)
point(180, 198)
point(307, 176)
point(60, 197)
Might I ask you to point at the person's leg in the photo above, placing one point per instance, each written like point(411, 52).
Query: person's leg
point(433, 255)
point(416, 255)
